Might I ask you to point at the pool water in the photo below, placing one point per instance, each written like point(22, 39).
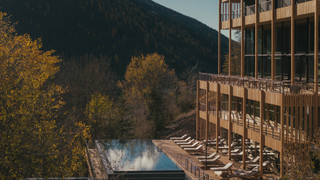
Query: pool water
point(136, 155)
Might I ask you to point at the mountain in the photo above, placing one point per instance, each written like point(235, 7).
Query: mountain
point(118, 29)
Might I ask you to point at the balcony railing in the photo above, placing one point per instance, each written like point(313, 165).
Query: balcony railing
point(283, 87)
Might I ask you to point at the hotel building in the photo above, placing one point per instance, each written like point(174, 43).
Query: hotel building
point(274, 99)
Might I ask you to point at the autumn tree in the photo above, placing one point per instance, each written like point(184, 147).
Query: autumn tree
point(148, 80)
point(31, 143)
point(106, 118)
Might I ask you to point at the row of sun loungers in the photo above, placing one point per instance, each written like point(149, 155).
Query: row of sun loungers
point(187, 144)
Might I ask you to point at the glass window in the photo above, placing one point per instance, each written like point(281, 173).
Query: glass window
point(267, 67)
point(266, 39)
point(249, 66)
point(260, 67)
point(279, 71)
point(286, 67)
point(286, 38)
point(279, 39)
point(301, 36)
point(249, 40)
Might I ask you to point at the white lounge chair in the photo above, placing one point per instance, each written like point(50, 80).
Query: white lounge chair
point(232, 151)
point(208, 157)
point(227, 167)
point(190, 146)
point(212, 140)
point(211, 161)
point(179, 138)
point(254, 161)
point(214, 143)
point(265, 165)
point(186, 143)
point(197, 149)
point(180, 141)
point(226, 146)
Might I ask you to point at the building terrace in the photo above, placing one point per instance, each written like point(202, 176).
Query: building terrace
point(274, 99)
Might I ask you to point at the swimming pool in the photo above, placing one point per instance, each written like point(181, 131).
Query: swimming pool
point(137, 158)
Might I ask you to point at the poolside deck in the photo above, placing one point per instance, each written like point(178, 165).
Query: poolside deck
point(172, 150)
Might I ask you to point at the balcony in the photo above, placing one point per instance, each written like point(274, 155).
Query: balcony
point(262, 7)
point(282, 87)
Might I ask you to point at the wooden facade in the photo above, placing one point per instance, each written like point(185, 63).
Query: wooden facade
point(267, 111)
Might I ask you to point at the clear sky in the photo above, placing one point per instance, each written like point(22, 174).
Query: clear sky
point(205, 11)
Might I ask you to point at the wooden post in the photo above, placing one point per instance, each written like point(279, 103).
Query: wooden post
point(219, 40)
point(242, 39)
point(218, 117)
point(197, 112)
point(281, 134)
point(316, 50)
point(287, 119)
point(261, 131)
point(256, 40)
point(207, 112)
point(230, 122)
point(230, 37)
point(275, 116)
point(292, 41)
point(244, 137)
point(273, 69)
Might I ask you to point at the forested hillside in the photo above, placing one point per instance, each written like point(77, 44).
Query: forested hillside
point(117, 29)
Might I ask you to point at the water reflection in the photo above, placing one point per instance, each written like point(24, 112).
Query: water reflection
point(135, 155)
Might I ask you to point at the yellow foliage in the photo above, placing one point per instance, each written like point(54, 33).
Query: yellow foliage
point(31, 143)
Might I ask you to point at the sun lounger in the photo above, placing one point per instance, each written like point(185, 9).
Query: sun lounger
point(208, 157)
point(214, 143)
point(211, 161)
point(226, 146)
point(232, 151)
point(212, 140)
point(190, 146)
point(197, 149)
point(265, 165)
point(186, 143)
point(246, 174)
point(180, 141)
point(254, 161)
point(227, 167)
point(179, 138)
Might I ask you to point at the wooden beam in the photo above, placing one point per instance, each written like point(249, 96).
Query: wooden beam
point(256, 40)
point(262, 99)
point(292, 41)
point(273, 42)
point(281, 134)
point(218, 117)
point(275, 116)
point(316, 44)
point(287, 119)
point(219, 40)
point(316, 51)
point(207, 112)
point(242, 39)
point(230, 121)
point(244, 137)
point(230, 37)
point(197, 112)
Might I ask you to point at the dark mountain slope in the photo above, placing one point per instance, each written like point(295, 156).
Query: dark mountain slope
point(119, 29)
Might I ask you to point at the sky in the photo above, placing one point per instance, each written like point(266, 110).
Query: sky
point(205, 11)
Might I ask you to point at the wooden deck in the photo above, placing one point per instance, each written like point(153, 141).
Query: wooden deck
point(172, 150)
